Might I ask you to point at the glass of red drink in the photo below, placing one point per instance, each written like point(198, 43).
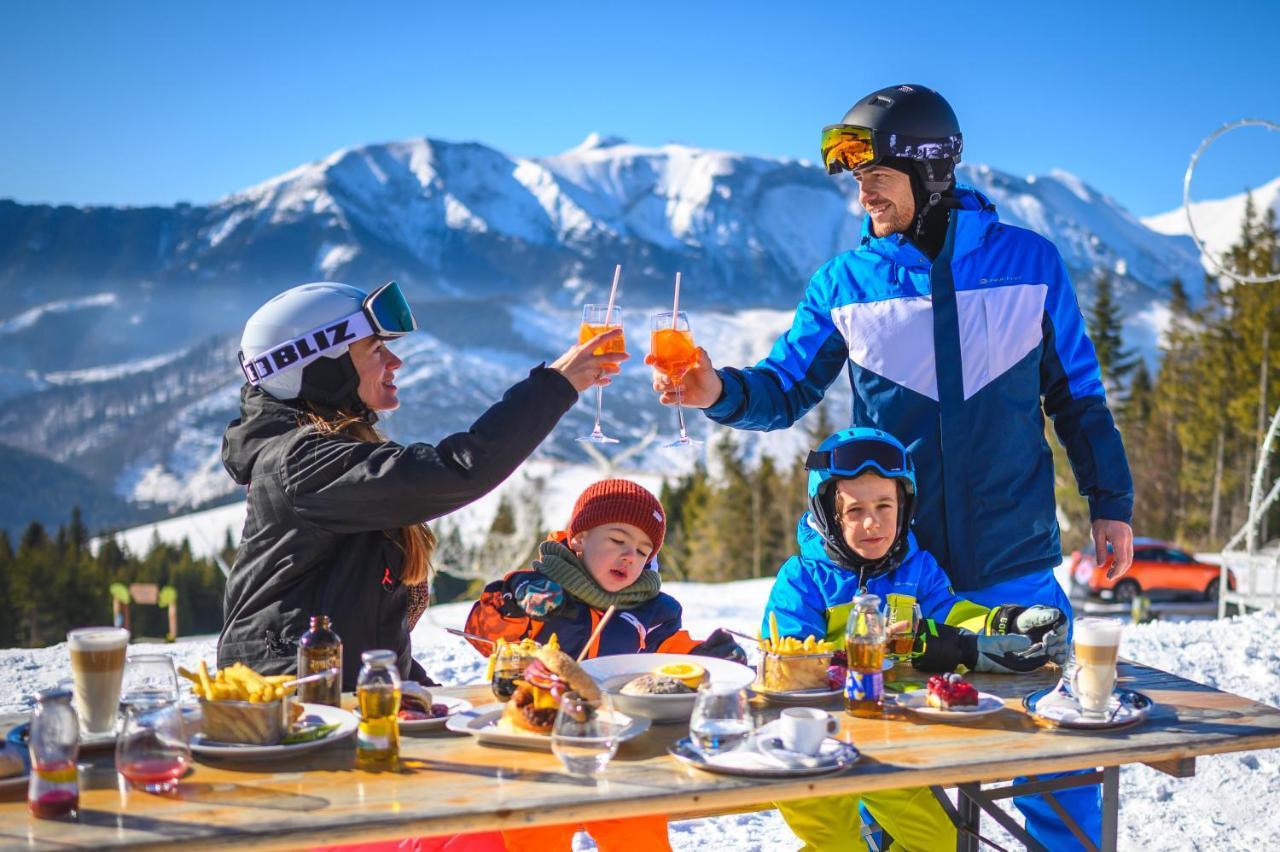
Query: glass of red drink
point(152, 751)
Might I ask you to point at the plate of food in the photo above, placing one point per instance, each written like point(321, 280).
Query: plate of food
point(792, 671)
point(237, 731)
point(526, 720)
point(662, 687)
point(421, 711)
point(950, 696)
point(14, 774)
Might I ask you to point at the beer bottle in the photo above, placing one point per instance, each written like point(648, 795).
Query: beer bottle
point(864, 638)
point(378, 694)
point(320, 649)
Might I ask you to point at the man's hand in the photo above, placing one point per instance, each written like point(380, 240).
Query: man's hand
point(700, 388)
point(1120, 536)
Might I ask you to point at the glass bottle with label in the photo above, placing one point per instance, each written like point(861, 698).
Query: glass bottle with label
point(378, 695)
point(864, 640)
point(54, 743)
point(320, 649)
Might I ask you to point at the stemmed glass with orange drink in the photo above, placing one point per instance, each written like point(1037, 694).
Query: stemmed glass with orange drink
point(673, 354)
point(597, 319)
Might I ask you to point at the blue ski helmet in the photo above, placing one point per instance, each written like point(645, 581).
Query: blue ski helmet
point(845, 455)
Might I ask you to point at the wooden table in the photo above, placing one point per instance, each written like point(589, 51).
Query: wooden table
point(452, 784)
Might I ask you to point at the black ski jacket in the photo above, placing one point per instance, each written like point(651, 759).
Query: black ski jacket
point(323, 527)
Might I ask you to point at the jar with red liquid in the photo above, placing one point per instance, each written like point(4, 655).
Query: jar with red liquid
point(152, 751)
point(54, 743)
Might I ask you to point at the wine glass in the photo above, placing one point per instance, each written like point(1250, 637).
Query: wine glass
point(585, 734)
point(597, 319)
point(152, 751)
point(674, 354)
point(149, 677)
point(721, 719)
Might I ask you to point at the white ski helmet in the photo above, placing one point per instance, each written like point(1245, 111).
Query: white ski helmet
point(297, 344)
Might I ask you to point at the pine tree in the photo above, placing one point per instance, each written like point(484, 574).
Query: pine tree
point(1106, 329)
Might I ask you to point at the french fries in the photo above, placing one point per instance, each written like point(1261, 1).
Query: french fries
point(237, 682)
point(790, 645)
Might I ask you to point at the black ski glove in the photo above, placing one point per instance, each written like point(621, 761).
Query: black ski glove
point(1045, 625)
point(720, 644)
point(943, 648)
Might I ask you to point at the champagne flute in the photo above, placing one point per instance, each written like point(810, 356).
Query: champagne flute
point(597, 319)
point(674, 354)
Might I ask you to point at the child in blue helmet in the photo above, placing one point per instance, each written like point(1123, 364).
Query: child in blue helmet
point(856, 539)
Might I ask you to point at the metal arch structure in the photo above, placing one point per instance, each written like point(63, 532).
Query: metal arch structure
point(1186, 197)
point(1253, 570)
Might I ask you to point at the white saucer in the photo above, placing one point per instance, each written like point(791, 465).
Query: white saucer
point(764, 756)
point(1058, 706)
point(917, 702)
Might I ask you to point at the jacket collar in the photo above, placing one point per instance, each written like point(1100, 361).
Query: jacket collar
point(970, 222)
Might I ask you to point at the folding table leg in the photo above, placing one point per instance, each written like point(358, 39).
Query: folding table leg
point(1110, 807)
point(970, 817)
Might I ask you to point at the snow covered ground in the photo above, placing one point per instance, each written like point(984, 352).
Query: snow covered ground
point(1233, 802)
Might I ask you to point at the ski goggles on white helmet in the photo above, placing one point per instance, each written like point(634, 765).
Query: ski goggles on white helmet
point(861, 454)
point(384, 313)
point(847, 147)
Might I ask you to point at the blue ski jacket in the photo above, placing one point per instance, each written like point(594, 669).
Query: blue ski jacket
point(956, 358)
point(812, 595)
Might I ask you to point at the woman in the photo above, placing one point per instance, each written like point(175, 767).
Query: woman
point(336, 513)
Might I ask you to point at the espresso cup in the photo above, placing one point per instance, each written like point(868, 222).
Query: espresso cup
point(1095, 646)
point(802, 729)
point(97, 667)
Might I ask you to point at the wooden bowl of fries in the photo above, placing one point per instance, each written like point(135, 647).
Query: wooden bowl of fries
point(239, 705)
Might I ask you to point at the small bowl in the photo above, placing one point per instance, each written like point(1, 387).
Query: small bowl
point(613, 673)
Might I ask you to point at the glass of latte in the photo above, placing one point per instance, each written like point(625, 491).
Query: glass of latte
point(97, 666)
point(1095, 646)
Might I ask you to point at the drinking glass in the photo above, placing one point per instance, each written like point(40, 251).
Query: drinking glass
point(674, 354)
point(902, 619)
point(149, 677)
point(152, 751)
point(597, 319)
point(508, 666)
point(585, 735)
point(721, 719)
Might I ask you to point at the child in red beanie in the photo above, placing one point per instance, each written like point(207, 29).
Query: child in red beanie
point(607, 557)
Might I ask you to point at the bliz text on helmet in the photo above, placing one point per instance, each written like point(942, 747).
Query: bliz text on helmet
point(299, 350)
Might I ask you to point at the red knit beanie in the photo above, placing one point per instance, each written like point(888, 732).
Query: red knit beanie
point(619, 501)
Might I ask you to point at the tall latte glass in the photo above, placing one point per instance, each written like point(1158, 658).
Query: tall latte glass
point(97, 666)
point(1096, 644)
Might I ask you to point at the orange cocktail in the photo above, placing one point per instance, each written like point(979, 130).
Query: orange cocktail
point(673, 352)
point(586, 331)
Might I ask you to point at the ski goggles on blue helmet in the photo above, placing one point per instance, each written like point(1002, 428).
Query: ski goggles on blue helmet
point(848, 147)
point(384, 313)
point(851, 452)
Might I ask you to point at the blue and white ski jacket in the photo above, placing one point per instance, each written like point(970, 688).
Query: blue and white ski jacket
point(954, 358)
point(812, 595)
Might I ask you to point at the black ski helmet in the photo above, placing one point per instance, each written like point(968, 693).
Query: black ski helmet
point(909, 122)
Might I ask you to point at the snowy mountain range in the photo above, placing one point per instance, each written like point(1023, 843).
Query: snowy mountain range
point(119, 324)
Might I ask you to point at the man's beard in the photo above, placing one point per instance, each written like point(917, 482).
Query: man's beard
point(898, 223)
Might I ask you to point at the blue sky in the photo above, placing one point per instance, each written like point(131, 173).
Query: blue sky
point(154, 103)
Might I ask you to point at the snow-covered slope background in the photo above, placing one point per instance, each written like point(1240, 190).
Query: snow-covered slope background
point(119, 325)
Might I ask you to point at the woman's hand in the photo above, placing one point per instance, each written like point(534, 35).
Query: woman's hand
point(583, 369)
point(700, 388)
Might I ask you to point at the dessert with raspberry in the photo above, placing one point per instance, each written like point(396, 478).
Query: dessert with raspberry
point(951, 692)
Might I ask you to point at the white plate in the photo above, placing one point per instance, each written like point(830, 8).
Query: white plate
point(482, 723)
point(613, 673)
point(763, 756)
point(917, 702)
point(317, 713)
point(14, 782)
point(455, 705)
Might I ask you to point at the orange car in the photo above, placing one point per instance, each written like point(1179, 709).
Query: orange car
point(1159, 566)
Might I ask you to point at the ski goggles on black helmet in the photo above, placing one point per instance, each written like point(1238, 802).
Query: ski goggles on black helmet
point(384, 313)
point(862, 454)
point(848, 147)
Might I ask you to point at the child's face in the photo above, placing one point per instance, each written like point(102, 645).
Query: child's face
point(867, 508)
point(614, 554)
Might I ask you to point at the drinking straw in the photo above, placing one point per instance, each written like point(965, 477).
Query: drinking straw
point(617, 276)
point(595, 634)
point(675, 307)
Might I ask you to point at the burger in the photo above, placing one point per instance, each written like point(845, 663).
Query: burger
point(550, 676)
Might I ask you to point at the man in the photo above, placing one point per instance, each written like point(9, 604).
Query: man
point(959, 333)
